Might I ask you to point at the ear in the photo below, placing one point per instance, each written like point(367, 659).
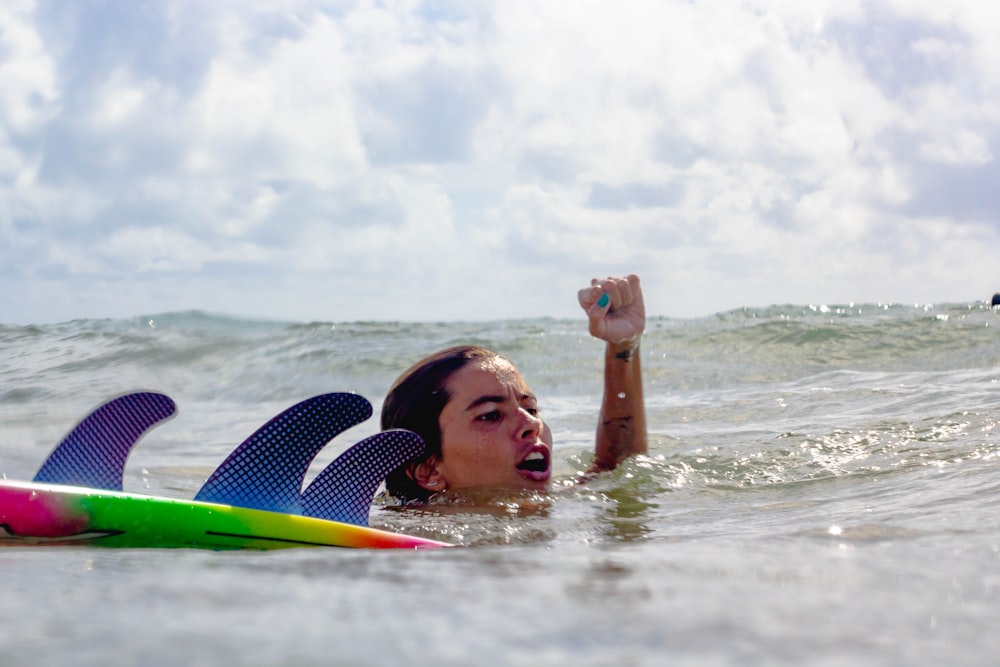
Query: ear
point(429, 475)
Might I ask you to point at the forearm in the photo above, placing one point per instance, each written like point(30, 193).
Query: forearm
point(621, 430)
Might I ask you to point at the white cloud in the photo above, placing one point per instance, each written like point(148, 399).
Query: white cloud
point(227, 155)
point(957, 147)
point(26, 69)
point(290, 104)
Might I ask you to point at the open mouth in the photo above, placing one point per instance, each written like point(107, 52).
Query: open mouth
point(535, 465)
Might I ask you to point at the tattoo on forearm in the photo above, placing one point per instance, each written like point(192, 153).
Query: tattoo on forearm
point(619, 436)
point(618, 423)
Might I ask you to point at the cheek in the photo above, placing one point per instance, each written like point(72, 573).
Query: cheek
point(470, 461)
point(459, 448)
point(466, 453)
point(467, 464)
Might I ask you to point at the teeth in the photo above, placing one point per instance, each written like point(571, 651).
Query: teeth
point(535, 456)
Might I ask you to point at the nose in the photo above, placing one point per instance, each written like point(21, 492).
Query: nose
point(531, 424)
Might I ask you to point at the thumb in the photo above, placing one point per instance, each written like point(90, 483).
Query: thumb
point(596, 313)
point(589, 296)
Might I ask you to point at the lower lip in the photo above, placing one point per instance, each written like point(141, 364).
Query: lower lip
point(535, 476)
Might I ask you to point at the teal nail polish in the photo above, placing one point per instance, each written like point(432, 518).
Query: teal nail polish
point(603, 301)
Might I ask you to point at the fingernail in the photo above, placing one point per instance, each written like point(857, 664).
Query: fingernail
point(603, 301)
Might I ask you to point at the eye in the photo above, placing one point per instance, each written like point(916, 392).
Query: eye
point(533, 411)
point(492, 416)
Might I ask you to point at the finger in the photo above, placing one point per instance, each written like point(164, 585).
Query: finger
point(621, 291)
point(588, 296)
point(599, 308)
point(598, 286)
point(636, 287)
point(613, 288)
point(624, 290)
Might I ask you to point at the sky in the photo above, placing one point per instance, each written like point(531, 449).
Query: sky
point(315, 160)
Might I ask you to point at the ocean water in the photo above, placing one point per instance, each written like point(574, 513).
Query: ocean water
point(822, 488)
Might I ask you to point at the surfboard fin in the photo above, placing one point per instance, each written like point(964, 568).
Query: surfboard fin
point(94, 452)
point(344, 490)
point(267, 470)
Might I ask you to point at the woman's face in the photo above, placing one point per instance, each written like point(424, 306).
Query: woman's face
point(491, 434)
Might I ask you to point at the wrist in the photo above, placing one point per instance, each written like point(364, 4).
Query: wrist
point(625, 349)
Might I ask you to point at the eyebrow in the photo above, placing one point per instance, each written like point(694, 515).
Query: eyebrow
point(498, 399)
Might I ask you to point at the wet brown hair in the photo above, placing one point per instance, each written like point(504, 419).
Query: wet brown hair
point(415, 402)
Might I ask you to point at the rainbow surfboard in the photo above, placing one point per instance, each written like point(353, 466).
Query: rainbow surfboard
point(253, 500)
point(34, 514)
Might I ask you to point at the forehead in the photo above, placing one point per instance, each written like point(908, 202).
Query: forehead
point(486, 375)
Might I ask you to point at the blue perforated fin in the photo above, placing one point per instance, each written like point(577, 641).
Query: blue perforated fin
point(267, 470)
point(344, 490)
point(93, 454)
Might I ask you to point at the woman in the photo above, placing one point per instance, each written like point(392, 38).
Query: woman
point(481, 423)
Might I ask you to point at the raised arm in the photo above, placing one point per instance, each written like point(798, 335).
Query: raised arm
point(617, 315)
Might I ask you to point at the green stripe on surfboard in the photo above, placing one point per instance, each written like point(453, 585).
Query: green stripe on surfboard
point(32, 513)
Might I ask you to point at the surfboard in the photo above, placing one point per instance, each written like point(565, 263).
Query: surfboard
point(253, 500)
point(34, 514)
